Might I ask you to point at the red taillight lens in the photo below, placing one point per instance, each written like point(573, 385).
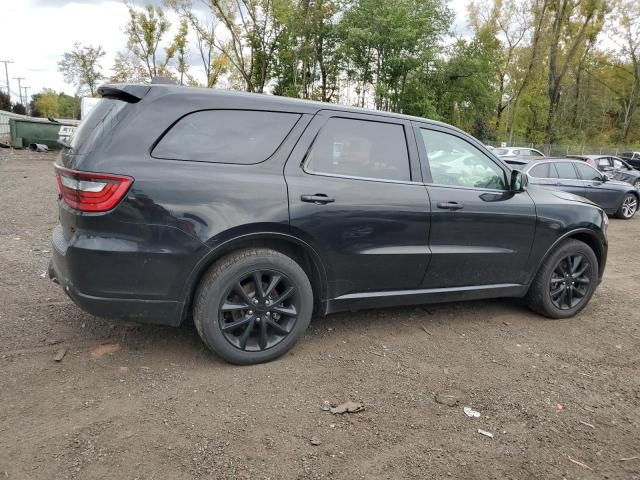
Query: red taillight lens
point(91, 192)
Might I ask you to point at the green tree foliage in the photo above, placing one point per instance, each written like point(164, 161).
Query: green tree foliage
point(48, 103)
point(81, 67)
point(533, 71)
point(5, 102)
point(19, 109)
point(146, 29)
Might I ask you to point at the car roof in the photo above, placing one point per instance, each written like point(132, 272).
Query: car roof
point(535, 162)
point(262, 99)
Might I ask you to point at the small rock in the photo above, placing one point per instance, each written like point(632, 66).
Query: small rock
point(326, 406)
point(447, 398)
point(60, 355)
point(315, 441)
point(347, 407)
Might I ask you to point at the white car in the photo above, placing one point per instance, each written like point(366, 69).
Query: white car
point(518, 152)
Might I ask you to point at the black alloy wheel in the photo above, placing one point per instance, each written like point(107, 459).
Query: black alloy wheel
point(570, 281)
point(259, 310)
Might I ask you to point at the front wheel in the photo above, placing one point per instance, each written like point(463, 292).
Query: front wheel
point(636, 184)
point(565, 282)
point(253, 306)
point(628, 207)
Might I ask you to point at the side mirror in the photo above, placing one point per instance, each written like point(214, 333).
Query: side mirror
point(605, 177)
point(519, 181)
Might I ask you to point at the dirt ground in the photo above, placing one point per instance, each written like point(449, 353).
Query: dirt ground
point(562, 398)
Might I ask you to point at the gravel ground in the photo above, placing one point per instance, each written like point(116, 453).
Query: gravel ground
point(561, 398)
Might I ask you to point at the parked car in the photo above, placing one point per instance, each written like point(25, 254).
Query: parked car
point(615, 167)
point(579, 178)
point(632, 158)
point(522, 152)
point(250, 212)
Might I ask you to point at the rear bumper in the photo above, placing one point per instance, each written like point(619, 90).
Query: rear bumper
point(160, 312)
point(123, 278)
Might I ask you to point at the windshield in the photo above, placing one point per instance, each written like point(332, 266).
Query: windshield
point(100, 121)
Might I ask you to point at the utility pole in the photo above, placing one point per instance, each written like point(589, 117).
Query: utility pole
point(19, 79)
point(6, 72)
point(26, 99)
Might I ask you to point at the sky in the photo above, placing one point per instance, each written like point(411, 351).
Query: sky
point(35, 34)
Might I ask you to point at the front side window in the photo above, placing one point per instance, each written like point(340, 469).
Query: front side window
point(618, 165)
point(454, 162)
point(360, 148)
point(588, 173)
point(226, 136)
point(603, 162)
point(566, 170)
point(544, 170)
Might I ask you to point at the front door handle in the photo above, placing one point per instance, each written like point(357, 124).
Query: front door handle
point(450, 205)
point(318, 199)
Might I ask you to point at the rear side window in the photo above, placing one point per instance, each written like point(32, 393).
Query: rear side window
point(588, 173)
point(98, 124)
point(226, 136)
point(360, 148)
point(566, 170)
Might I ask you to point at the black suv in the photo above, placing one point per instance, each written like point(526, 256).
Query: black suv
point(250, 212)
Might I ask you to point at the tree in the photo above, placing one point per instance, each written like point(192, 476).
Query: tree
point(5, 102)
point(385, 41)
point(572, 23)
point(81, 67)
point(253, 29)
point(629, 28)
point(69, 107)
point(19, 109)
point(146, 29)
point(127, 68)
point(178, 48)
point(48, 103)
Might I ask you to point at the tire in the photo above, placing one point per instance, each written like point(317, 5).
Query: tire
point(628, 206)
point(636, 184)
point(540, 298)
point(246, 324)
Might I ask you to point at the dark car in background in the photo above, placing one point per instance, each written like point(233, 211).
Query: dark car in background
point(250, 212)
point(580, 178)
point(615, 168)
point(632, 158)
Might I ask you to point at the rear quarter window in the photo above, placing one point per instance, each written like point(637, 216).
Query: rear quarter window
point(226, 136)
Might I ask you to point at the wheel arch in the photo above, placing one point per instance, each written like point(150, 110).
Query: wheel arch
point(584, 235)
point(286, 244)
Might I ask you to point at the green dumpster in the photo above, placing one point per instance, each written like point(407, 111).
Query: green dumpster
point(23, 132)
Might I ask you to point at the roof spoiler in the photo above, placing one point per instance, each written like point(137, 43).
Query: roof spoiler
point(128, 93)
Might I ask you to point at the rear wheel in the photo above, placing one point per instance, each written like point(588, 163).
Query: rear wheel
point(565, 282)
point(628, 207)
point(253, 306)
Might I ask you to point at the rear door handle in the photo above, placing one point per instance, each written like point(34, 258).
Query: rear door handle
point(318, 199)
point(450, 205)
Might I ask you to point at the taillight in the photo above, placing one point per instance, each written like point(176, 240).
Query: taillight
point(91, 192)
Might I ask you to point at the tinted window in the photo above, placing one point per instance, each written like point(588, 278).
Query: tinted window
point(588, 173)
point(454, 162)
point(99, 123)
point(566, 170)
point(536, 153)
point(603, 162)
point(543, 171)
point(360, 148)
point(226, 136)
